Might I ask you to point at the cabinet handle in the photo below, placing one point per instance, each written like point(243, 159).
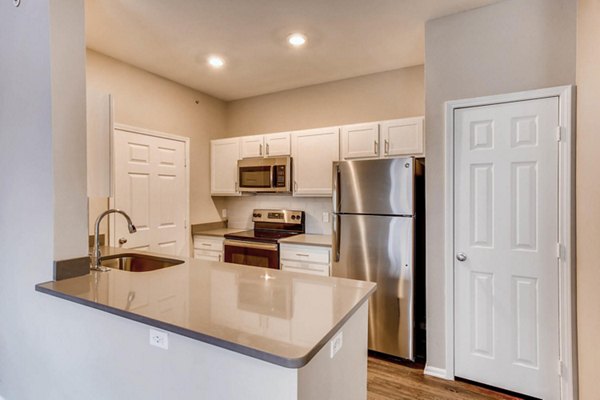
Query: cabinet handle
point(295, 186)
point(219, 258)
point(302, 255)
point(236, 187)
point(267, 148)
point(387, 146)
point(260, 149)
point(205, 244)
point(375, 147)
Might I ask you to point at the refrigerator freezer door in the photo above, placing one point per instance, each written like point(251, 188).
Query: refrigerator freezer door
point(374, 186)
point(380, 249)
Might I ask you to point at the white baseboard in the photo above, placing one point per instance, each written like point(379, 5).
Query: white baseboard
point(437, 372)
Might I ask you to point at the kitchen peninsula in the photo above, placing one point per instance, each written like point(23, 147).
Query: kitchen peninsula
point(269, 334)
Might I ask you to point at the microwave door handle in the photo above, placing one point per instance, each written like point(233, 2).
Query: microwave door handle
point(273, 176)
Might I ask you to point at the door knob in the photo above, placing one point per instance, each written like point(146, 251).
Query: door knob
point(461, 257)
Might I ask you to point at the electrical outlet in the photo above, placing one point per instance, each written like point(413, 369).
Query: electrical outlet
point(325, 217)
point(224, 213)
point(159, 339)
point(336, 343)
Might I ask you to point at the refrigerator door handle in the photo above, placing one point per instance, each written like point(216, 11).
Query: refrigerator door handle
point(336, 188)
point(336, 237)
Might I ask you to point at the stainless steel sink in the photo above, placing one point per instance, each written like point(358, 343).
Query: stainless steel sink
point(138, 262)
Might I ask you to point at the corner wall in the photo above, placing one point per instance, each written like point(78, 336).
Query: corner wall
point(506, 47)
point(588, 197)
point(149, 101)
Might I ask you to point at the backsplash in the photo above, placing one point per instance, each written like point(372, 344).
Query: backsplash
point(239, 210)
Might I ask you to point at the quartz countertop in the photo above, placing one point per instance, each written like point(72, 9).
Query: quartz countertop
point(280, 317)
point(220, 232)
point(308, 239)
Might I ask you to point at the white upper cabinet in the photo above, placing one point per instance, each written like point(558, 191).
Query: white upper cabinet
point(402, 137)
point(360, 141)
point(277, 144)
point(399, 137)
point(271, 145)
point(313, 154)
point(252, 146)
point(225, 154)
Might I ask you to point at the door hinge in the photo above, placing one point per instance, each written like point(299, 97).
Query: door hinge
point(558, 250)
point(558, 133)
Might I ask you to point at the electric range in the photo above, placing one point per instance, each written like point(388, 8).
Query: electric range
point(259, 247)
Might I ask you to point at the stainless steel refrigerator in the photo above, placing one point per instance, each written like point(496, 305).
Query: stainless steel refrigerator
point(374, 221)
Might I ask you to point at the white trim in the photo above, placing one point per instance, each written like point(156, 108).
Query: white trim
point(434, 371)
point(566, 194)
point(163, 135)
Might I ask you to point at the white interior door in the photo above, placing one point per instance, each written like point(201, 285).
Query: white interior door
point(506, 236)
point(151, 186)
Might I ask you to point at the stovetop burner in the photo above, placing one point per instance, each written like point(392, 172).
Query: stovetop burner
point(272, 225)
point(261, 235)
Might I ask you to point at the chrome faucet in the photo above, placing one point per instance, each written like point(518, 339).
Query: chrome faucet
point(97, 255)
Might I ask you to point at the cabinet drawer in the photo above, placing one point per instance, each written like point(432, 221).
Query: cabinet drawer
point(306, 254)
point(208, 255)
point(208, 243)
point(305, 268)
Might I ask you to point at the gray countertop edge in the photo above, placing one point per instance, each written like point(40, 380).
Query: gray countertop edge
point(238, 348)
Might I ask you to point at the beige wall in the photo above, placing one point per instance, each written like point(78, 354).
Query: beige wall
point(149, 101)
point(510, 46)
point(387, 95)
point(588, 196)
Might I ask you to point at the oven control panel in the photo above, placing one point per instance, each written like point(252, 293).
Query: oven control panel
point(279, 216)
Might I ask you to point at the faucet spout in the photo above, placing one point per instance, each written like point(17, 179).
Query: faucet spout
point(97, 255)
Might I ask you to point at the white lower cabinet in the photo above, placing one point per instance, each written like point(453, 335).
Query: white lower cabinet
point(208, 248)
point(314, 260)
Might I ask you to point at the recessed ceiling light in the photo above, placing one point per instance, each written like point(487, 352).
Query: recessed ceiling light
point(296, 39)
point(216, 62)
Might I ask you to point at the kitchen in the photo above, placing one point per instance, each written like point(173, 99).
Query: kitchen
point(436, 303)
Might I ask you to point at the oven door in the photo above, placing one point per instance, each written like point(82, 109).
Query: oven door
point(256, 254)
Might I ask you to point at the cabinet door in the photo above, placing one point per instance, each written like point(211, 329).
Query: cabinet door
point(313, 154)
point(225, 154)
point(277, 144)
point(208, 255)
point(402, 137)
point(252, 146)
point(360, 141)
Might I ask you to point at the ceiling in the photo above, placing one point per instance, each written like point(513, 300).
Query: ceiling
point(346, 38)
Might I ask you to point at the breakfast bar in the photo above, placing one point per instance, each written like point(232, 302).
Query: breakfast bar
point(311, 329)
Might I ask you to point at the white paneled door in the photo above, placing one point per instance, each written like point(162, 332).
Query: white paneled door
point(151, 186)
point(506, 238)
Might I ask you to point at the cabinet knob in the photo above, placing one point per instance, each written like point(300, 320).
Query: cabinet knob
point(122, 241)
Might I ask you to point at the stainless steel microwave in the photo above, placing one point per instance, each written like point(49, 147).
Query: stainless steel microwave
point(265, 175)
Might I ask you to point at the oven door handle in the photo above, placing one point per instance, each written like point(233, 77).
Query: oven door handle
point(251, 245)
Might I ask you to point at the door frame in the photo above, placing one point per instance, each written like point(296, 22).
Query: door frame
point(567, 368)
point(162, 135)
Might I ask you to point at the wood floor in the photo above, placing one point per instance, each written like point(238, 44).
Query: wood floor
point(391, 381)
